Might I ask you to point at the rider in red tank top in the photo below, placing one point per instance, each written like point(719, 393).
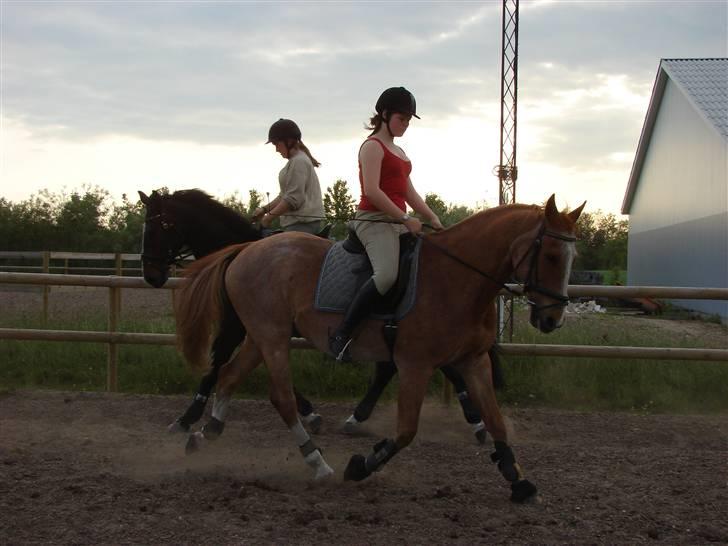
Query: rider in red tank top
point(386, 190)
point(393, 179)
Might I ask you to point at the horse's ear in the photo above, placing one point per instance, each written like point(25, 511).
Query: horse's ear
point(144, 198)
point(574, 214)
point(551, 211)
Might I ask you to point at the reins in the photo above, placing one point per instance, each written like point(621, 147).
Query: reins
point(531, 282)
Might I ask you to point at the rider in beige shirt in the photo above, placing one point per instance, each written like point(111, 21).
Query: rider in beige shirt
point(299, 204)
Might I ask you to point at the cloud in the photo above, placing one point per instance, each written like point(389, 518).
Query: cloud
point(194, 77)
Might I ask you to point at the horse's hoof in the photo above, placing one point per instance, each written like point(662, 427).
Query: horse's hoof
point(314, 425)
point(522, 490)
point(356, 470)
point(177, 427)
point(194, 443)
point(481, 436)
point(323, 471)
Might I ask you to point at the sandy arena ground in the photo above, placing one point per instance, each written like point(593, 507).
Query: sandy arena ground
point(86, 468)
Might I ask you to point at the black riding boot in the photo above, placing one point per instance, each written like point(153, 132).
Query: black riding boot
point(359, 308)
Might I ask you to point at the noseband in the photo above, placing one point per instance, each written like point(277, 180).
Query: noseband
point(531, 283)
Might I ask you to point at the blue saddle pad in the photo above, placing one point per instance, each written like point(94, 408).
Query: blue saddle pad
point(344, 272)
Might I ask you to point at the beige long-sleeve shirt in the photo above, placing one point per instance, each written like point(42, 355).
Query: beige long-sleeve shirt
point(300, 188)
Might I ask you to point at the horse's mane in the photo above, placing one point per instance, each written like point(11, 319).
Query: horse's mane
point(208, 207)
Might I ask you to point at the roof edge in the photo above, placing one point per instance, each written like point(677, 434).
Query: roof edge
point(648, 126)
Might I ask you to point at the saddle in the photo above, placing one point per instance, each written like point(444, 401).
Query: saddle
point(346, 267)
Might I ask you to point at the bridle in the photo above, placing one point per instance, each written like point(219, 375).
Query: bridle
point(173, 253)
point(530, 284)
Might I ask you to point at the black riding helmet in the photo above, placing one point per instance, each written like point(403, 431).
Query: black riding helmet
point(283, 130)
point(397, 99)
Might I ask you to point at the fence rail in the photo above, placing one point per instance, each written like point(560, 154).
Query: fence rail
point(113, 337)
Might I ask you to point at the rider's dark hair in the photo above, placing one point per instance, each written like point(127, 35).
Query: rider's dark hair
point(375, 123)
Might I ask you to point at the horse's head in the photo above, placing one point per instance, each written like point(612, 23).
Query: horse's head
point(161, 239)
point(542, 260)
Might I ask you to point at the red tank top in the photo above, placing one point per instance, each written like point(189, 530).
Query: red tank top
point(392, 179)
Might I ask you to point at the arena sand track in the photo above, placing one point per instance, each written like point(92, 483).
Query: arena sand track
point(88, 468)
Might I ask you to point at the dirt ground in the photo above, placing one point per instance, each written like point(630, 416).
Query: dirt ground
point(87, 468)
point(97, 468)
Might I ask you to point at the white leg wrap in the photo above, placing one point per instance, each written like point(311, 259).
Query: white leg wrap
point(299, 433)
point(478, 426)
point(220, 408)
point(316, 461)
point(352, 420)
point(310, 417)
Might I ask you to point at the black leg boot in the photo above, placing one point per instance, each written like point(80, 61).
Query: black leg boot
point(359, 308)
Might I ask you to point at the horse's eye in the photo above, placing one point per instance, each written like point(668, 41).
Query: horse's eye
point(165, 225)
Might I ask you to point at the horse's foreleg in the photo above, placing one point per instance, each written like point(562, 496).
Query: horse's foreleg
point(383, 374)
point(284, 400)
point(412, 389)
point(197, 408)
point(478, 377)
point(472, 416)
point(228, 339)
point(307, 413)
point(231, 375)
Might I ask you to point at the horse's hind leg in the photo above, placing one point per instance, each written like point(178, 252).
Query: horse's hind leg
point(383, 374)
point(283, 399)
point(478, 377)
point(230, 376)
point(472, 416)
point(412, 389)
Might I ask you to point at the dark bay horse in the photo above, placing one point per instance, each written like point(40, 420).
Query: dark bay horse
point(271, 285)
point(190, 222)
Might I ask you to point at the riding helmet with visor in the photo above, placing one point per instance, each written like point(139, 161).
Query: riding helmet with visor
point(397, 99)
point(283, 130)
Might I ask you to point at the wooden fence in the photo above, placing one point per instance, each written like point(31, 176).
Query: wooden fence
point(113, 338)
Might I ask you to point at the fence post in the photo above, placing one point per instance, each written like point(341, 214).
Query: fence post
point(46, 288)
point(119, 273)
point(113, 356)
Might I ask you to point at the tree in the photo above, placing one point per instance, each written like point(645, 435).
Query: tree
point(126, 223)
point(339, 207)
point(81, 221)
point(602, 242)
point(448, 214)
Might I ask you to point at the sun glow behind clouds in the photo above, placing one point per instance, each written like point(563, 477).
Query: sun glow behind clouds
point(453, 158)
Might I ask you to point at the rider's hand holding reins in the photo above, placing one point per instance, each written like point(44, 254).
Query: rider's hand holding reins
point(413, 225)
point(436, 224)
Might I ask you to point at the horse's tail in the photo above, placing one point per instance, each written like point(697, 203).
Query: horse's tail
point(201, 305)
point(495, 366)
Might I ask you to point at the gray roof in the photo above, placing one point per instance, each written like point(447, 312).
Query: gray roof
point(705, 84)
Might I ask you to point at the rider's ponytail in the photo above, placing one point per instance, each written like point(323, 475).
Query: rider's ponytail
point(301, 146)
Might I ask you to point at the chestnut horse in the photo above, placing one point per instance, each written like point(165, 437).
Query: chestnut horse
point(271, 285)
point(192, 222)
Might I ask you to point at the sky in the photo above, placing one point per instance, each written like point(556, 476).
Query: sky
point(136, 95)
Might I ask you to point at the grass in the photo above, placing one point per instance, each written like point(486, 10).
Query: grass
point(574, 383)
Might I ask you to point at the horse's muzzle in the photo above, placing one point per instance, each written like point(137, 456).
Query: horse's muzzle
point(546, 323)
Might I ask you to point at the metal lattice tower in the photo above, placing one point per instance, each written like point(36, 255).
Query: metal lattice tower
point(507, 171)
